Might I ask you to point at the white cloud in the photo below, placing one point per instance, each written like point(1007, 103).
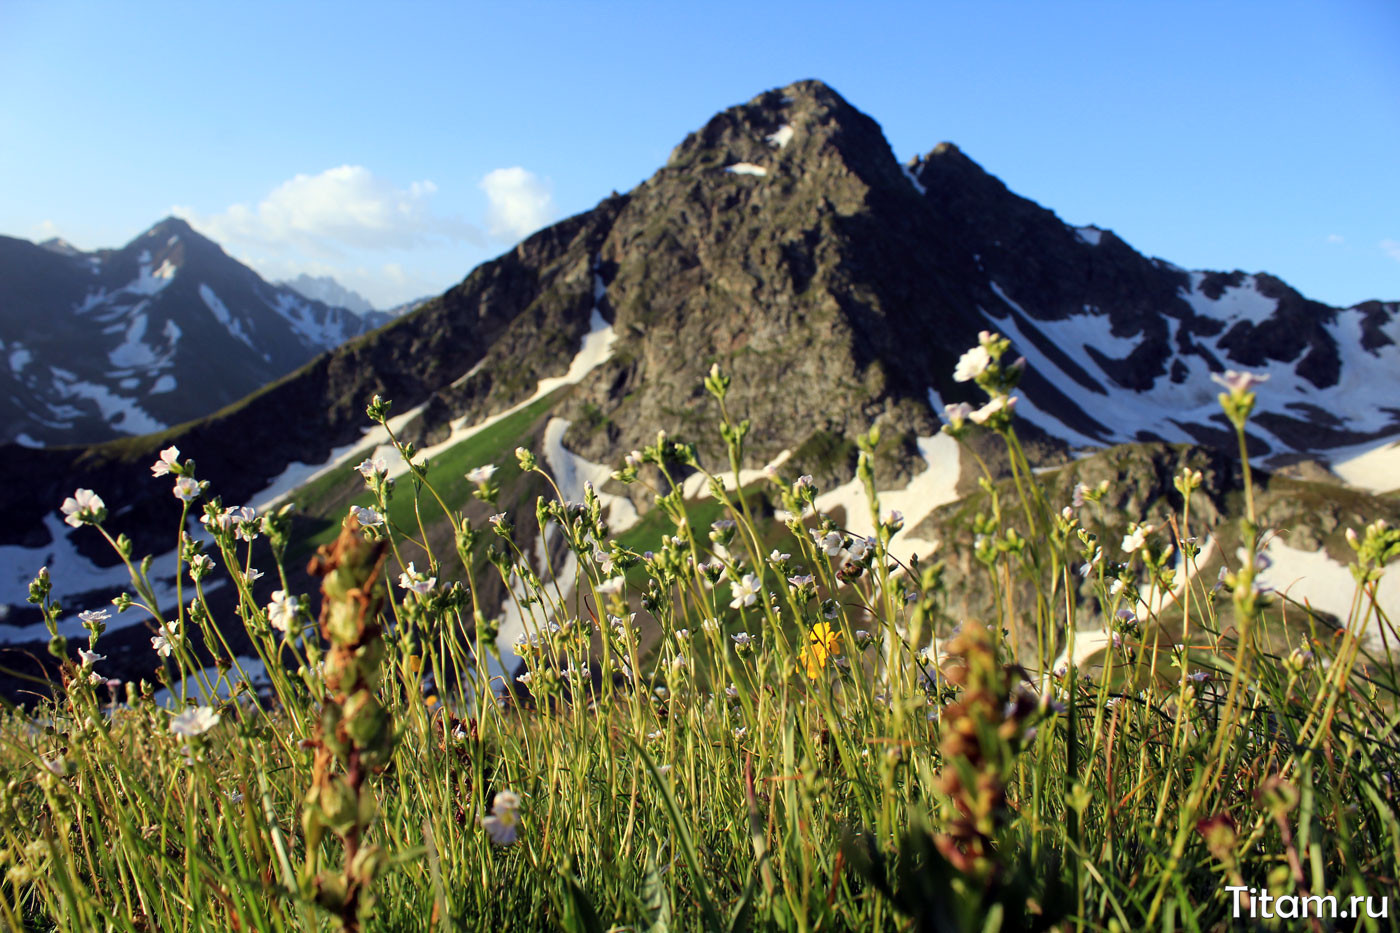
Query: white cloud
point(348, 207)
point(520, 202)
point(1336, 238)
point(1392, 248)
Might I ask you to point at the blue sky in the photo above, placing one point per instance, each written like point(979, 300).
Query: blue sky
point(397, 146)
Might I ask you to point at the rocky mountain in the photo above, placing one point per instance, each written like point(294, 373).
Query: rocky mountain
point(127, 341)
point(837, 287)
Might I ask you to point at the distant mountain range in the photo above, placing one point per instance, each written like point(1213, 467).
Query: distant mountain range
point(129, 341)
point(782, 240)
point(328, 291)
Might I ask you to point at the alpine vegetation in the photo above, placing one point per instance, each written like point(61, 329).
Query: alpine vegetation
point(736, 715)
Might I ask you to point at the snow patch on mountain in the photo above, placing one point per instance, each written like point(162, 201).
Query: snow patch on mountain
point(133, 352)
point(222, 315)
point(150, 282)
point(571, 472)
point(746, 168)
point(1236, 303)
point(73, 575)
point(1316, 580)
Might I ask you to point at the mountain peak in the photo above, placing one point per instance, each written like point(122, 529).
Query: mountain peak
point(61, 246)
point(168, 227)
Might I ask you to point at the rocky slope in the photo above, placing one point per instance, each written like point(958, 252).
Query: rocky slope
point(838, 288)
point(128, 341)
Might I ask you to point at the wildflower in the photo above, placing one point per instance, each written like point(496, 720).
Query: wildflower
point(824, 643)
point(777, 557)
point(957, 414)
point(604, 560)
point(167, 640)
point(195, 721)
point(503, 824)
point(745, 592)
point(83, 507)
point(94, 615)
point(186, 489)
point(1198, 676)
point(634, 459)
point(995, 406)
point(1136, 536)
point(743, 641)
point(168, 463)
point(860, 547)
point(482, 474)
point(804, 481)
point(57, 766)
point(863, 638)
point(498, 521)
point(709, 625)
point(798, 582)
point(200, 565)
point(371, 467)
point(732, 692)
point(895, 520)
point(831, 542)
point(282, 611)
point(972, 364)
point(1079, 490)
point(417, 582)
point(366, 516)
point(252, 576)
point(740, 732)
point(89, 658)
point(1238, 383)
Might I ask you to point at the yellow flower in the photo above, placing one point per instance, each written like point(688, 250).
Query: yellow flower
point(825, 642)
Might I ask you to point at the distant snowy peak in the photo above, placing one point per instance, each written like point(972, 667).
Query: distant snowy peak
point(61, 246)
point(328, 291)
point(163, 330)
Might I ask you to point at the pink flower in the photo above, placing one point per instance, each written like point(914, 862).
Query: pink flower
point(957, 414)
point(981, 415)
point(186, 489)
point(169, 461)
point(82, 507)
point(1238, 383)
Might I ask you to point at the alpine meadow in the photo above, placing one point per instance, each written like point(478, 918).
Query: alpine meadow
point(802, 540)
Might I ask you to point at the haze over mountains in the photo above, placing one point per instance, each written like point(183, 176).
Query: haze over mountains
point(128, 341)
point(782, 240)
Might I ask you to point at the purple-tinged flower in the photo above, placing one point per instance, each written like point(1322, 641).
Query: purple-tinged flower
point(168, 463)
point(1237, 382)
point(83, 507)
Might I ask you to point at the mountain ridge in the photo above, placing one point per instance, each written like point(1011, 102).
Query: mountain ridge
point(784, 237)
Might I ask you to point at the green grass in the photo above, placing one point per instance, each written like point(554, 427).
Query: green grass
point(329, 497)
point(824, 779)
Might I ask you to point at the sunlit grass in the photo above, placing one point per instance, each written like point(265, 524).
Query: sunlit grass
point(809, 743)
